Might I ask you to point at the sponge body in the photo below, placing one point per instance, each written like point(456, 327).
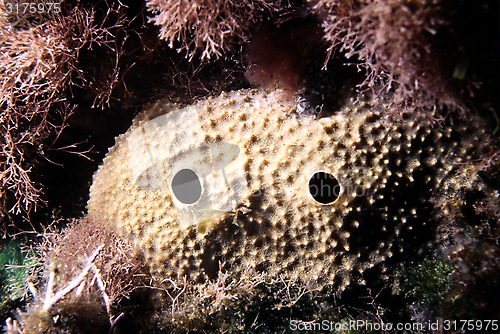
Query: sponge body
point(251, 158)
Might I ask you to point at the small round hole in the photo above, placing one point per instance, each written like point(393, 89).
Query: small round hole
point(186, 186)
point(324, 187)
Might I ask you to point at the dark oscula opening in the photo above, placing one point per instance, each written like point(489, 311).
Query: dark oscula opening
point(186, 186)
point(324, 187)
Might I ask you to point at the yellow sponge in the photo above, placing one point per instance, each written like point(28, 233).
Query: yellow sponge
point(243, 181)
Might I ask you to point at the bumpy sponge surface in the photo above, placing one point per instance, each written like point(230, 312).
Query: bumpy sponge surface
point(242, 181)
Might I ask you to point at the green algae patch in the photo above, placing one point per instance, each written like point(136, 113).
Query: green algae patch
point(15, 267)
point(429, 281)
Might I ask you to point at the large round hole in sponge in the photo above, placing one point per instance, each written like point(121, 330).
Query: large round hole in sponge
point(324, 187)
point(186, 186)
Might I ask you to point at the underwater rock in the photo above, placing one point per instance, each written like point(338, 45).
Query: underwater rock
point(243, 181)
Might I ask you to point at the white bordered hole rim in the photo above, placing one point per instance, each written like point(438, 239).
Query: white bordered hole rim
point(186, 186)
point(324, 187)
